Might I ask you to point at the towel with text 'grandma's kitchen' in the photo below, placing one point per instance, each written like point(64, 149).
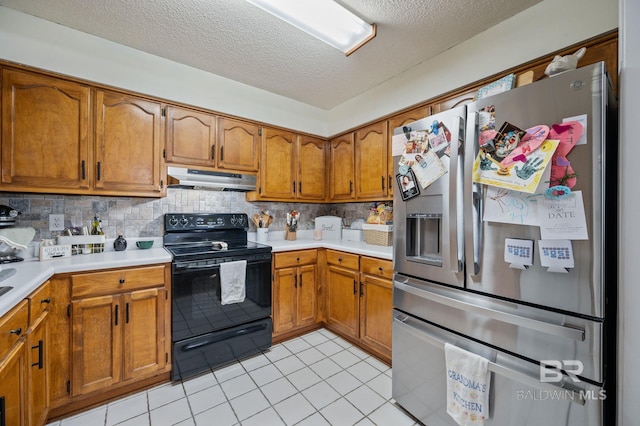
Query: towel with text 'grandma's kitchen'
point(232, 282)
point(468, 381)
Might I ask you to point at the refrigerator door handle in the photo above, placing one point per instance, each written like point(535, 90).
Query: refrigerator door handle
point(476, 200)
point(578, 397)
point(541, 326)
point(455, 198)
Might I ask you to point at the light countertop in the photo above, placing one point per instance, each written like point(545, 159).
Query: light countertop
point(31, 273)
point(305, 240)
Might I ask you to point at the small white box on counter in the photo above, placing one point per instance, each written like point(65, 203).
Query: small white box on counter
point(331, 227)
point(352, 234)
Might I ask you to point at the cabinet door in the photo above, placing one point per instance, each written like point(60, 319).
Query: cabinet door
point(45, 132)
point(371, 148)
point(128, 145)
point(306, 295)
point(342, 300)
point(239, 143)
point(190, 137)
point(277, 174)
point(341, 168)
point(38, 371)
point(312, 175)
point(376, 313)
point(60, 341)
point(12, 386)
point(144, 333)
point(97, 343)
point(284, 297)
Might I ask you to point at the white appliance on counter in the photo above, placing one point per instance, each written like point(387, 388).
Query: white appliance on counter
point(453, 282)
point(331, 227)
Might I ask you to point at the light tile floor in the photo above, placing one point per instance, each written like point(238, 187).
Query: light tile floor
point(315, 379)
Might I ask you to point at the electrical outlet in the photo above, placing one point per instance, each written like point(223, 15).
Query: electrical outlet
point(56, 222)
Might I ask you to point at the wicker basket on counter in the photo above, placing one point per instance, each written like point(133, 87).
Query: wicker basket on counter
point(378, 235)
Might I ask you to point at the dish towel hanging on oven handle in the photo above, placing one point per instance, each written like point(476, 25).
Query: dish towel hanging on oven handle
point(232, 282)
point(468, 382)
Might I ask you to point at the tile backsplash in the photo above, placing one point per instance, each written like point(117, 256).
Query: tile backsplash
point(143, 217)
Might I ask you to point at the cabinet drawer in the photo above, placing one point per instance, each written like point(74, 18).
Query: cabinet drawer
point(98, 283)
point(296, 258)
point(13, 325)
point(379, 267)
point(340, 258)
point(39, 301)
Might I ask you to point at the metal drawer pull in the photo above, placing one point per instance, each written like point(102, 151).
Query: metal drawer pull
point(47, 300)
point(17, 331)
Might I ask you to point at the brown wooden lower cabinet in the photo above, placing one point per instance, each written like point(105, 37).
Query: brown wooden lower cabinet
point(353, 296)
point(294, 290)
point(112, 332)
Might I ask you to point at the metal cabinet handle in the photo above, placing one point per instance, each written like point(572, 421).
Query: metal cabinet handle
point(126, 313)
point(300, 280)
point(82, 169)
point(350, 186)
point(355, 291)
point(121, 281)
point(47, 300)
point(222, 153)
point(116, 316)
point(383, 185)
point(98, 168)
point(299, 187)
point(389, 181)
point(16, 331)
point(295, 281)
point(213, 152)
point(40, 361)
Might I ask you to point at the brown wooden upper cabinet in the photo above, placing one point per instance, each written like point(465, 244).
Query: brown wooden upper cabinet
point(128, 144)
point(291, 167)
point(342, 168)
point(191, 137)
point(239, 143)
point(372, 163)
point(48, 145)
point(359, 164)
point(194, 140)
point(45, 133)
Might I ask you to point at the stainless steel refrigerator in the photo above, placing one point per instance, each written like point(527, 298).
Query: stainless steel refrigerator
point(453, 285)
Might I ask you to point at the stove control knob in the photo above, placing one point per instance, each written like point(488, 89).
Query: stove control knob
point(184, 221)
point(173, 221)
point(242, 221)
point(233, 220)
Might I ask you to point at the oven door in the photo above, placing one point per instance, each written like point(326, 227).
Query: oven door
point(197, 308)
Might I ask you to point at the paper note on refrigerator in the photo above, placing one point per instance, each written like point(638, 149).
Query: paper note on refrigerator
point(563, 219)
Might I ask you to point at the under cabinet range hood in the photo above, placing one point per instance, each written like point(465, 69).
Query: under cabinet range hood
point(204, 179)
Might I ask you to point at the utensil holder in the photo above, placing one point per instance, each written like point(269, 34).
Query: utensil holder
point(262, 235)
point(289, 235)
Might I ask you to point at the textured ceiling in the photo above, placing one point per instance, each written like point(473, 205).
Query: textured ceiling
point(236, 40)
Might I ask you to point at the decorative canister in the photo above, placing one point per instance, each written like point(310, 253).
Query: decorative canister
point(119, 244)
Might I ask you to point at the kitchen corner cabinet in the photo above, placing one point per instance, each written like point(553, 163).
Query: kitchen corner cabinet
point(359, 299)
point(292, 167)
point(342, 292)
point(294, 290)
point(190, 137)
point(342, 168)
point(128, 145)
point(45, 133)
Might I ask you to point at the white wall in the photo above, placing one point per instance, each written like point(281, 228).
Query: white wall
point(548, 26)
point(629, 252)
point(39, 43)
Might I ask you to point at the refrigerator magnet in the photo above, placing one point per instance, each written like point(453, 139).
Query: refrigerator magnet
point(557, 255)
point(518, 253)
point(408, 186)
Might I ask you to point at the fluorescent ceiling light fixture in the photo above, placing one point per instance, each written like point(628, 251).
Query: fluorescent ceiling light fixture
point(323, 19)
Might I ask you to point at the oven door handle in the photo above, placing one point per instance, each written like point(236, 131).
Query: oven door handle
point(190, 268)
